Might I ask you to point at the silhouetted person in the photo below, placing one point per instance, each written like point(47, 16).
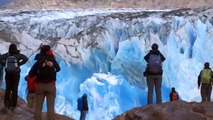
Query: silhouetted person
point(154, 73)
point(83, 106)
point(205, 80)
point(13, 59)
point(31, 81)
point(45, 69)
point(173, 95)
point(1, 71)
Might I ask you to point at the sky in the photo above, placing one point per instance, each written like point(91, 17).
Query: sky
point(4, 2)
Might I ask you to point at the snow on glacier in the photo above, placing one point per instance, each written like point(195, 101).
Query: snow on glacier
point(107, 63)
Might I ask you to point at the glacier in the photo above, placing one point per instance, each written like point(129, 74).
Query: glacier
point(101, 53)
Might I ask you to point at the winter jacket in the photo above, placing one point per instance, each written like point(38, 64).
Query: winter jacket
point(199, 77)
point(157, 52)
point(173, 97)
point(85, 104)
point(48, 55)
point(1, 70)
point(21, 58)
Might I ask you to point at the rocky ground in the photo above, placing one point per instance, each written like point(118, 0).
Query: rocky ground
point(171, 111)
point(21, 112)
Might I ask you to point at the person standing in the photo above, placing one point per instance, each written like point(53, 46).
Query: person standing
point(31, 88)
point(83, 106)
point(173, 95)
point(45, 69)
point(154, 73)
point(31, 81)
point(1, 71)
point(13, 59)
point(205, 79)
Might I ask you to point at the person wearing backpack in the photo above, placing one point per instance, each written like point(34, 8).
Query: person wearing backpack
point(31, 81)
point(205, 79)
point(154, 73)
point(173, 95)
point(83, 106)
point(13, 59)
point(45, 69)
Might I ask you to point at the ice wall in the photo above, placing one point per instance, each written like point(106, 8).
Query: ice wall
point(101, 53)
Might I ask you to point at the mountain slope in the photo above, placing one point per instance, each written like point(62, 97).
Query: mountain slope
point(156, 4)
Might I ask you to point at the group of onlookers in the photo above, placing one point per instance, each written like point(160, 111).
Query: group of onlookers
point(154, 74)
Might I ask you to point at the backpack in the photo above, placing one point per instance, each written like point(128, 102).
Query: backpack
point(206, 76)
point(11, 65)
point(80, 104)
point(45, 72)
point(31, 84)
point(174, 96)
point(154, 64)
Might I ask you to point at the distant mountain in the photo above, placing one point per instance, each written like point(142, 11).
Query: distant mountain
point(156, 4)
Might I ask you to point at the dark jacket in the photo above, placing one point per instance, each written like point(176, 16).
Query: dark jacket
point(49, 56)
point(1, 70)
point(38, 56)
point(85, 104)
point(157, 52)
point(21, 58)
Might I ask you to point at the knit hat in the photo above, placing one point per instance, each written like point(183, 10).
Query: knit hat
point(173, 89)
point(155, 46)
point(84, 95)
point(206, 64)
point(13, 48)
point(45, 48)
